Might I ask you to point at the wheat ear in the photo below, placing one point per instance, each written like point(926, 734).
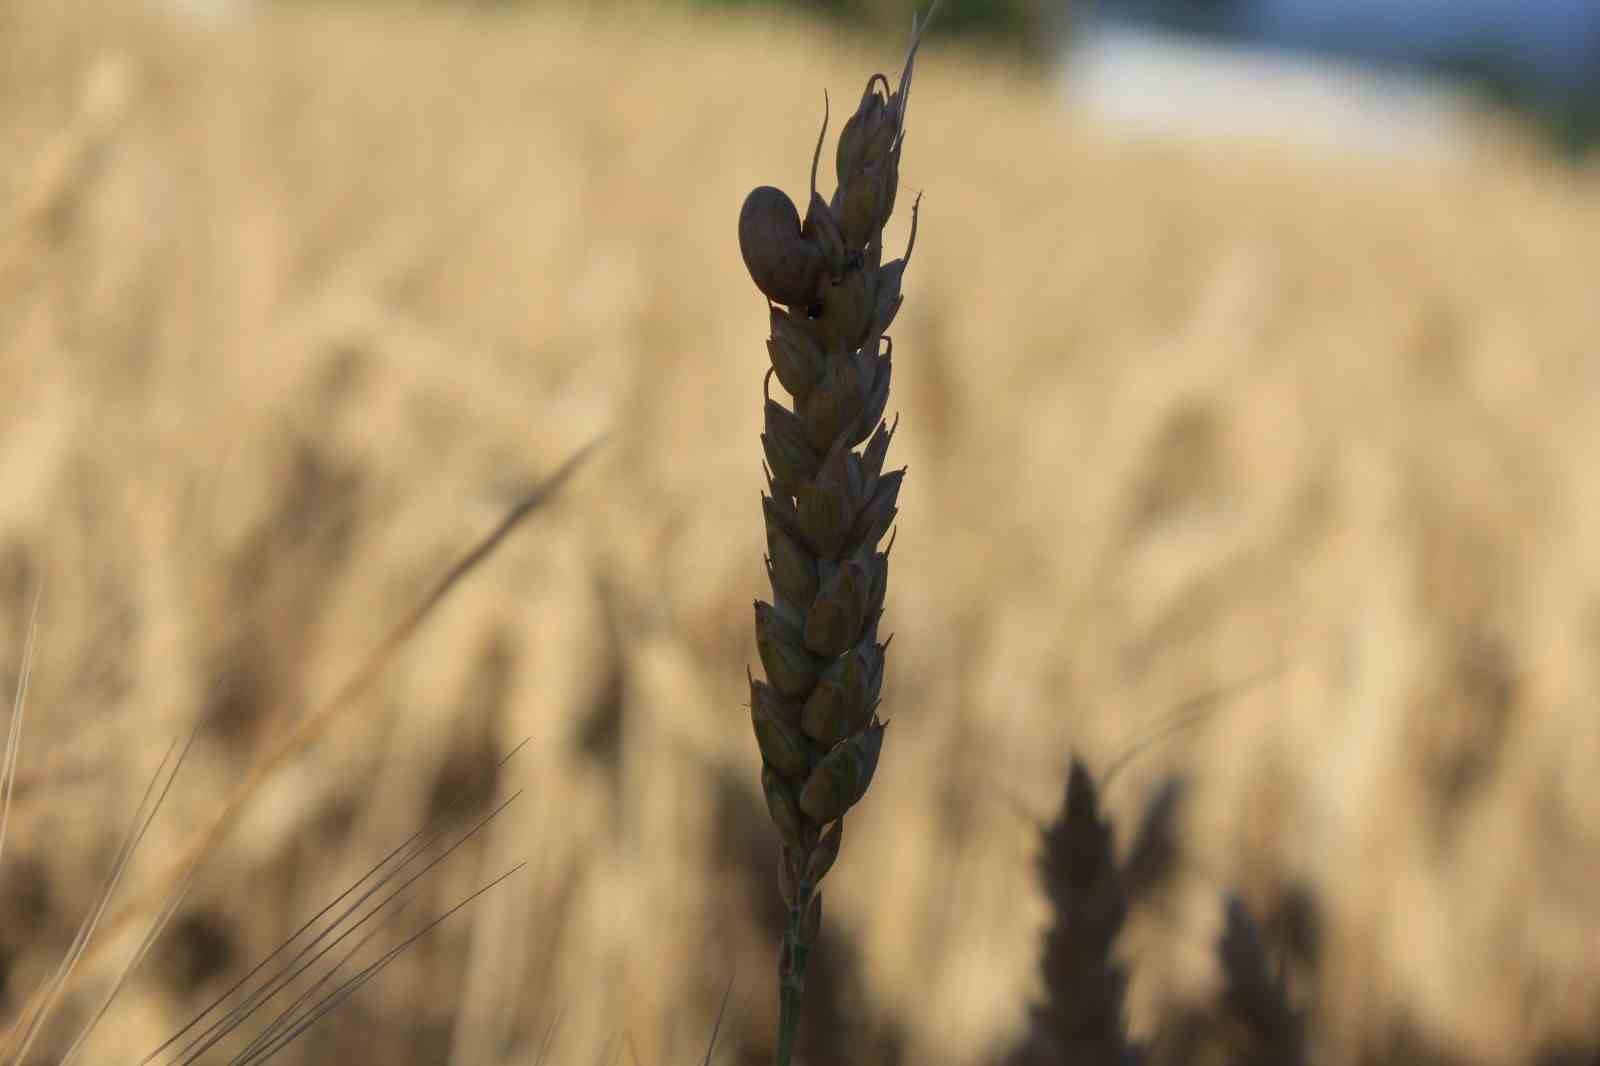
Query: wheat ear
point(1083, 1018)
point(1255, 996)
point(828, 505)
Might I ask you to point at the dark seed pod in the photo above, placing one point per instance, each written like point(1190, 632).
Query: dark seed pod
point(833, 624)
point(783, 746)
point(827, 507)
point(852, 140)
point(868, 133)
point(795, 354)
point(820, 861)
point(875, 660)
point(878, 515)
point(877, 400)
point(834, 405)
point(794, 574)
point(789, 456)
point(840, 703)
point(872, 458)
point(878, 587)
point(847, 311)
point(790, 668)
point(780, 515)
point(841, 779)
point(863, 206)
point(891, 179)
point(883, 139)
point(821, 229)
point(887, 299)
point(782, 263)
point(784, 710)
point(781, 807)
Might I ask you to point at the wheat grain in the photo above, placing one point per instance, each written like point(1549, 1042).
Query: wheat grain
point(815, 715)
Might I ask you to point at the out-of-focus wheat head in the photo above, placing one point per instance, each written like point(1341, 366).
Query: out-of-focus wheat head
point(829, 506)
point(1083, 1017)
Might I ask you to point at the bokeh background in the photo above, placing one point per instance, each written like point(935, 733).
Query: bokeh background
point(1248, 380)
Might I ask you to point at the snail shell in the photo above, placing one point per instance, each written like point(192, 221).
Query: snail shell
point(783, 264)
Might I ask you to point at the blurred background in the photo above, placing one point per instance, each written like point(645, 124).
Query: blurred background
point(1247, 378)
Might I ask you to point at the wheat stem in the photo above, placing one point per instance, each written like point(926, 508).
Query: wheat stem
point(792, 974)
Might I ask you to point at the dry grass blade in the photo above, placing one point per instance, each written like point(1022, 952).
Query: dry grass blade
point(296, 1009)
point(549, 1037)
point(1193, 711)
point(8, 763)
point(235, 1015)
point(349, 987)
point(40, 1005)
point(301, 964)
point(410, 849)
point(151, 934)
point(716, 1028)
point(318, 721)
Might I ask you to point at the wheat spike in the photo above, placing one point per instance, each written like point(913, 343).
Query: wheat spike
point(1083, 1018)
point(831, 298)
point(1255, 996)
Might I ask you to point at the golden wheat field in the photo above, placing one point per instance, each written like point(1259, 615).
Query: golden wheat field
point(1281, 473)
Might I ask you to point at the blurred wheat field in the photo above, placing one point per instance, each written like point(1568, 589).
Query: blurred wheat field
point(293, 305)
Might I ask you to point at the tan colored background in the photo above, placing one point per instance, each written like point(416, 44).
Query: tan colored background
point(292, 306)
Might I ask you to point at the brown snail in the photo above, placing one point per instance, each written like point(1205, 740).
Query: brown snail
point(784, 265)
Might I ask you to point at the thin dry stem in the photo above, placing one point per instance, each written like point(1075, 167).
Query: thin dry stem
point(30, 1022)
point(8, 762)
